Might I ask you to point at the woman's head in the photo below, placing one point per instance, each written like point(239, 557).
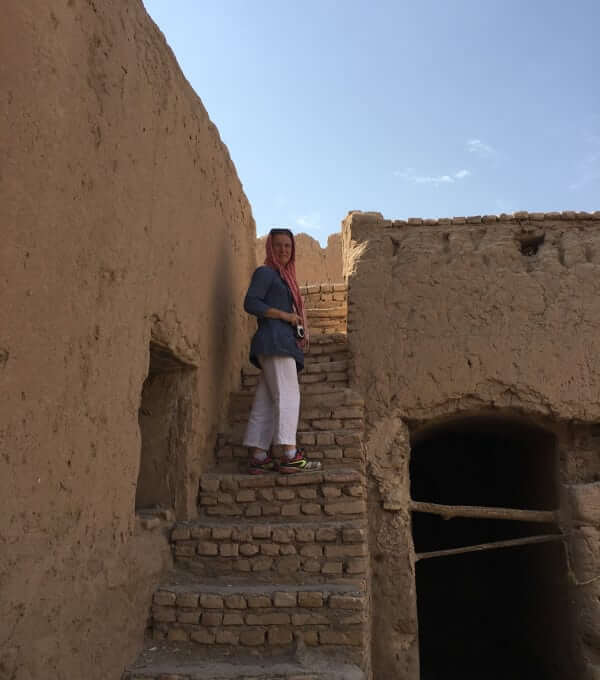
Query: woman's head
point(281, 243)
point(281, 255)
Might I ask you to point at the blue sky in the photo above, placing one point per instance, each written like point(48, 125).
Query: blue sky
point(420, 108)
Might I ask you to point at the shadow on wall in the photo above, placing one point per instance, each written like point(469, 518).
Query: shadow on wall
point(185, 394)
point(223, 345)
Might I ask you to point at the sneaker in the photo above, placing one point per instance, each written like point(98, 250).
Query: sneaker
point(256, 467)
point(299, 463)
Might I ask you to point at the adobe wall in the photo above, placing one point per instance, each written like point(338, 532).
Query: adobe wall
point(474, 315)
point(313, 263)
point(123, 220)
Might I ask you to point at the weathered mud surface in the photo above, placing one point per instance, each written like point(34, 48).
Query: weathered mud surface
point(123, 220)
point(466, 318)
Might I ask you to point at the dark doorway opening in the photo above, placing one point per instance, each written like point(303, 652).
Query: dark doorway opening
point(164, 419)
point(498, 613)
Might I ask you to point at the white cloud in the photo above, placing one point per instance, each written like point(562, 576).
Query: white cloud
point(428, 179)
point(310, 221)
point(477, 146)
point(589, 165)
point(410, 176)
point(589, 171)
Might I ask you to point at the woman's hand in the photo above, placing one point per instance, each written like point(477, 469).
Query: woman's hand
point(288, 317)
point(292, 318)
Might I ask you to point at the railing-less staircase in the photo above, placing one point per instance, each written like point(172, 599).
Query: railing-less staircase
point(270, 581)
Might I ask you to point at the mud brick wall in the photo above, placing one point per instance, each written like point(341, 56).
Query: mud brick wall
point(478, 309)
point(123, 221)
point(467, 315)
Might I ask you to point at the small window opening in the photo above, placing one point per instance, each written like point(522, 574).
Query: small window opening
point(163, 418)
point(530, 244)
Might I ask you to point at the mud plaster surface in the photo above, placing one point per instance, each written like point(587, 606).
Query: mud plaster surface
point(470, 320)
point(465, 318)
point(394, 630)
point(122, 220)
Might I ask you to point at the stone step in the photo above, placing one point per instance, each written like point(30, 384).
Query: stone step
point(241, 402)
point(326, 385)
point(270, 618)
point(328, 431)
point(336, 493)
point(319, 364)
point(273, 551)
point(316, 421)
point(325, 301)
point(182, 661)
point(329, 353)
point(333, 372)
point(327, 325)
point(318, 339)
point(327, 312)
point(317, 418)
point(336, 361)
point(331, 448)
point(311, 289)
point(323, 352)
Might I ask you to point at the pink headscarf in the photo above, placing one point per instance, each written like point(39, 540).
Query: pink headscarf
point(288, 274)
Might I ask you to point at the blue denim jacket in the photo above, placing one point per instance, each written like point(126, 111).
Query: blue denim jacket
point(273, 336)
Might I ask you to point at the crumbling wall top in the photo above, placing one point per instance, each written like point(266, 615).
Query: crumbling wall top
point(356, 217)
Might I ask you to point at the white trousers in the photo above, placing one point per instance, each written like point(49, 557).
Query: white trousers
point(276, 407)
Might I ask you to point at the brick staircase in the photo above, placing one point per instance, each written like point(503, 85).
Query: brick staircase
point(270, 581)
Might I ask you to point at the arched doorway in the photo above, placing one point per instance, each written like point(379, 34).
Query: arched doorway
point(490, 571)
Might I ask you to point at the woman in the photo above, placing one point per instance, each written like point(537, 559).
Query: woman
point(277, 348)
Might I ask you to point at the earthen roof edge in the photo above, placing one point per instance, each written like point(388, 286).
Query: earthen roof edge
point(520, 216)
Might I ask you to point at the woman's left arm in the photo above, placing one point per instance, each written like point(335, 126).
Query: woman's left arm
point(254, 302)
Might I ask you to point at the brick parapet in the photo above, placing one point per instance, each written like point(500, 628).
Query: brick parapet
point(519, 217)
